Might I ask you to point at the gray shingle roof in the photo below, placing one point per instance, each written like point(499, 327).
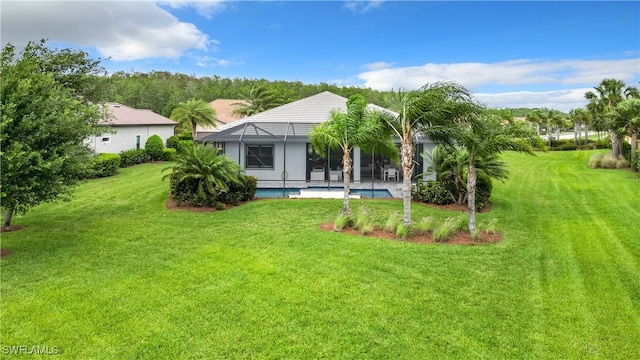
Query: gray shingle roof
point(124, 115)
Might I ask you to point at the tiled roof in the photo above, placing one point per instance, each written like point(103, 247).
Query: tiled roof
point(125, 115)
point(224, 113)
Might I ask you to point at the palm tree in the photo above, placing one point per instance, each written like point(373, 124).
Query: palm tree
point(414, 111)
point(207, 167)
point(625, 117)
point(556, 119)
point(579, 117)
point(357, 127)
point(482, 134)
point(606, 97)
point(536, 117)
point(259, 99)
point(194, 112)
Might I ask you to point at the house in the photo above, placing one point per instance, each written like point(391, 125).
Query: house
point(274, 145)
point(224, 115)
point(131, 129)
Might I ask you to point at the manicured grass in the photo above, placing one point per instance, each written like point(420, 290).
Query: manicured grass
point(113, 274)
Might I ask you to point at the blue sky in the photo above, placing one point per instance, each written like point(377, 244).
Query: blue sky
point(507, 53)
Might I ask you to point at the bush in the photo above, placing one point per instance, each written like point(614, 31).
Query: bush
point(608, 162)
point(187, 191)
point(245, 190)
point(154, 147)
point(173, 142)
point(169, 154)
point(637, 161)
point(186, 136)
point(484, 187)
point(132, 157)
point(103, 165)
point(595, 161)
point(431, 192)
point(343, 221)
point(568, 146)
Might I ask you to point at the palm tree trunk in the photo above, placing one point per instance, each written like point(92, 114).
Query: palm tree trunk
point(407, 162)
point(576, 133)
point(193, 130)
point(346, 179)
point(615, 145)
point(538, 128)
point(7, 218)
point(472, 177)
point(586, 134)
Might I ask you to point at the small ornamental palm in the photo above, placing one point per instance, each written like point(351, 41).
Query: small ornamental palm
point(205, 165)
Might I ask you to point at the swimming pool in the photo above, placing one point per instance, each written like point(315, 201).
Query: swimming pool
point(278, 193)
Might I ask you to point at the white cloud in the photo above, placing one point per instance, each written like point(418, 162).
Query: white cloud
point(122, 30)
point(206, 8)
point(361, 7)
point(563, 100)
point(571, 78)
point(377, 66)
point(514, 72)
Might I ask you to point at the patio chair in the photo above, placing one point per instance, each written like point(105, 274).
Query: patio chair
point(391, 173)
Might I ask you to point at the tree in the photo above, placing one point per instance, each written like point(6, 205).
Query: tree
point(192, 113)
point(357, 127)
point(414, 108)
point(606, 97)
point(47, 117)
point(625, 118)
point(259, 99)
point(537, 117)
point(207, 167)
point(579, 117)
point(462, 123)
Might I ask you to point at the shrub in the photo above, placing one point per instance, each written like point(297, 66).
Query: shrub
point(490, 228)
point(425, 225)
point(608, 162)
point(169, 154)
point(343, 221)
point(622, 163)
point(183, 144)
point(403, 231)
point(173, 142)
point(484, 187)
point(462, 222)
point(132, 157)
point(103, 165)
point(595, 161)
point(443, 231)
point(568, 146)
point(431, 192)
point(186, 136)
point(392, 223)
point(243, 190)
point(637, 160)
point(476, 235)
point(154, 147)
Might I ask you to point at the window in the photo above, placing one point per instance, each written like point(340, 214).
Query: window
point(106, 139)
point(219, 145)
point(259, 157)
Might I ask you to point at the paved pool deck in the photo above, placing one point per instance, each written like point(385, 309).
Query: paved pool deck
point(394, 188)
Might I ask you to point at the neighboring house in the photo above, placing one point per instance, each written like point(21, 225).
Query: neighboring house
point(224, 115)
point(274, 144)
point(131, 127)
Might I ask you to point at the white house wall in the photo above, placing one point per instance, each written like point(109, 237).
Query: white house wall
point(296, 162)
point(124, 137)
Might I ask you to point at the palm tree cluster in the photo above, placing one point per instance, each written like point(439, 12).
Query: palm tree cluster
point(614, 104)
point(445, 112)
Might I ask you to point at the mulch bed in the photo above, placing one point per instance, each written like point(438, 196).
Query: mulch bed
point(457, 238)
point(456, 207)
point(5, 229)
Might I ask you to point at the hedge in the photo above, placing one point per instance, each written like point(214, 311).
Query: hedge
point(187, 192)
point(103, 165)
point(133, 157)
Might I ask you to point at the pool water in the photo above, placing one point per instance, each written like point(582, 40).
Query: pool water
point(278, 193)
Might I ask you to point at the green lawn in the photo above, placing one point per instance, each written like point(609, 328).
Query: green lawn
point(114, 275)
